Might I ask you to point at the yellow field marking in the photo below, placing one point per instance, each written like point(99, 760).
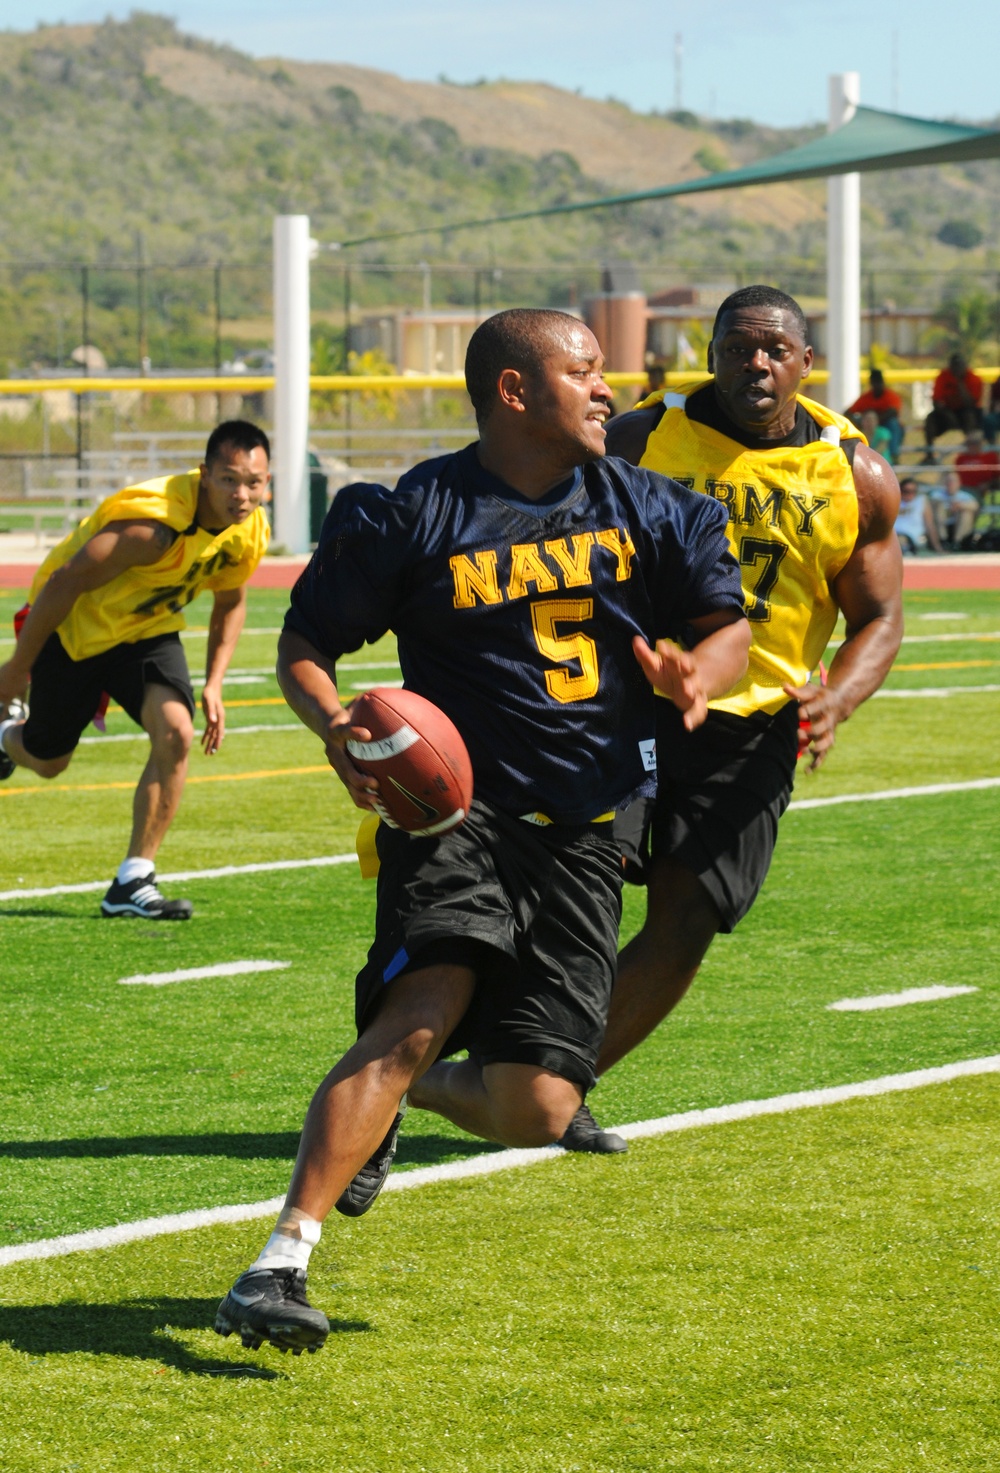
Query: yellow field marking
point(216, 777)
point(941, 665)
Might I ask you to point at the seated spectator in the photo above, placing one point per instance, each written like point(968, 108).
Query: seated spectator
point(956, 396)
point(955, 510)
point(877, 435)
point(991, 419)
point(887, 405)
point(978, 468)
point(915, 523)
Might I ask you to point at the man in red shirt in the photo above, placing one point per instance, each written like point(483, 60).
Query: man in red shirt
point(957, 394)
point(884, 402)
point(978, 468)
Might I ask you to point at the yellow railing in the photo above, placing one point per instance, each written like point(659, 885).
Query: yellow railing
point(365, 383)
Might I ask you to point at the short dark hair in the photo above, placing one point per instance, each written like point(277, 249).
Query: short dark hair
point(240, 434)
point(877, 376)
point(519, 338)
point(909, 481)
point(762, 296)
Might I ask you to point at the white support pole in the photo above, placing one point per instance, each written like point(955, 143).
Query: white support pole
point(843, 259)
point(291, 381)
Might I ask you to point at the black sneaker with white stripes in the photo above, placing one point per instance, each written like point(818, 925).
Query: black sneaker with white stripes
point(359, 1194)
point(584, 1134)
point(16, 710)
point(270, 1304)
point(143, 898)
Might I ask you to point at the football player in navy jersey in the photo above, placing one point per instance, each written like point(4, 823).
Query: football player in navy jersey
point(525, 578)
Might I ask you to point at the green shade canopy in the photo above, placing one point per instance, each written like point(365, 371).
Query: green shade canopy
point(873, 140)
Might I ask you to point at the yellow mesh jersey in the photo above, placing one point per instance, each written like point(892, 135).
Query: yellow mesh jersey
point(793, 523)
point(150, 600)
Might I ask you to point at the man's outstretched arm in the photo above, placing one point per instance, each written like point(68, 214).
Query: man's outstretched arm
point(692, 678)
point(869, 590)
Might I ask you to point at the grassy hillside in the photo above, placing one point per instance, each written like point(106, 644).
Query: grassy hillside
point(120, 130)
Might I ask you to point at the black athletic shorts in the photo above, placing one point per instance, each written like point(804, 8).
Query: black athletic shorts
point(533, 910)
point(65, 693)
point(720, 793)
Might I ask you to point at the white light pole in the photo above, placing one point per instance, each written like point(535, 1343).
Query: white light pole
point(291, 381)
point(843, 259)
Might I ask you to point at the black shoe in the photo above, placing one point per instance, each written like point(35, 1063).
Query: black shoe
point(584, 1134)
point(17, 710)
point(359, 1194)
point(142, 898)
point(270, 1304)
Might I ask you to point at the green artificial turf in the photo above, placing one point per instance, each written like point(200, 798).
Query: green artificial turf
point(815, 1292)
point(802, 1294)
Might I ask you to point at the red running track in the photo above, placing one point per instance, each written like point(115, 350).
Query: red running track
point(971, 572)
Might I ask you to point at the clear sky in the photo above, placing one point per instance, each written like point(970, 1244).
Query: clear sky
point(767, 62)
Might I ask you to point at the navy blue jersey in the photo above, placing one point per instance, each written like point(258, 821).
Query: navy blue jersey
point(516, 617)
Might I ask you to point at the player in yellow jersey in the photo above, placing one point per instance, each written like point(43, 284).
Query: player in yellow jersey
point(106, 607)
point(811, 514)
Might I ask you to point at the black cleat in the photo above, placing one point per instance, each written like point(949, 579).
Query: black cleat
point(359, 1194)
point(584, 1134)
point(270, 1304)
point(143, 898)
point(16, 710)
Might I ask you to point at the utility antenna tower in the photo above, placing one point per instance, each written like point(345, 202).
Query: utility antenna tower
point(678, 71)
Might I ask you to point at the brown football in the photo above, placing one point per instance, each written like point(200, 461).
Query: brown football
point(419, 758)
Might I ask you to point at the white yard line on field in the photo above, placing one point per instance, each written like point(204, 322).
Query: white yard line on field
point(140, 736)
point(916, 692)
point(224, 872)
point(931, 790)
point(487, 1165)
point(188, 974)
point(896, 999)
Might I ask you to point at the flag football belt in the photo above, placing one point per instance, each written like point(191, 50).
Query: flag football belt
point(367, 853)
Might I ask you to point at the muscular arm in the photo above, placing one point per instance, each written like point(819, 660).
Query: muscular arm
point(308, 681)
point(869, 590)
point(225, 623)
point(117, 547)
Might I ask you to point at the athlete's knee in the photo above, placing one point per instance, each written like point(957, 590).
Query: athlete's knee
point(173, 739)
point(528, 1106)
point(50, 767)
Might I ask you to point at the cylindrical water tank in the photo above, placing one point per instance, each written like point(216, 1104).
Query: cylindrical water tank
point(618, 322)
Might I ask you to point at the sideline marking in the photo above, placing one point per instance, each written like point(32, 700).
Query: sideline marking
point(140, 736)
point(224, 872)
point(915, 692)
point(933, 665)
point(908, 692)
point(930, 791)
point(896, 999)
point(228, 870)
point(185, 974)
point(215, 777)
point(155, 1227)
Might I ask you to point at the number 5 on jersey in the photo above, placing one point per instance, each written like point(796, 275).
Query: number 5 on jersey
point(546, 616)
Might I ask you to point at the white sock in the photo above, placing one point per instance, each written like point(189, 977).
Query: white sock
point(3, 728)
point(134, 869)
point(283, 1250)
